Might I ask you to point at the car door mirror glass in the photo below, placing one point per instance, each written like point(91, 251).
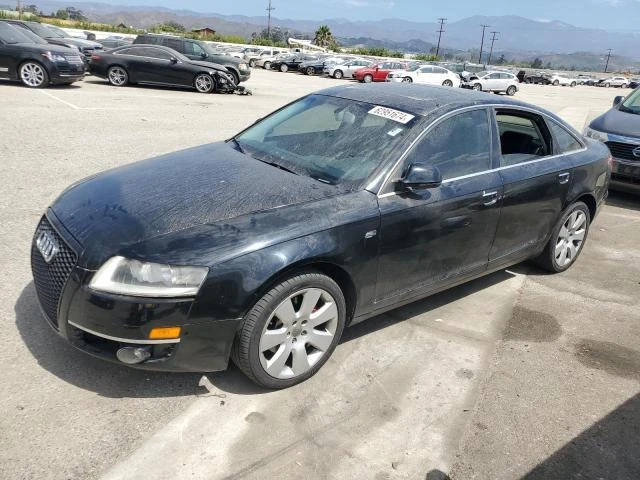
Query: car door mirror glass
point(617, 100)
point(420, 177)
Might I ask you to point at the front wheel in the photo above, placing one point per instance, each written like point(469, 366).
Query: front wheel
point(291, 331)
point(447, 83)
point(284, 68)
point(311, 71)
point(33, 75)
point(368, 79)
point(204, 83)
point(624, 85)
point(511, 91)
point(267, 65)
point(477, 87)
point(567, 239)
point(607, 85)
point(117, 76)
point(338, 74)
point(407, 80)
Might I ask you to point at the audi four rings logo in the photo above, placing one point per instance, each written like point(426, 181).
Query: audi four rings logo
point(47, 246)
point(636, 152)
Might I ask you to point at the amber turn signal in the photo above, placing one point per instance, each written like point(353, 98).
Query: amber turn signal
point(163, 333)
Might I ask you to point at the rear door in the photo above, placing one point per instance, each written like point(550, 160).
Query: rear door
point(424, 75)
point(536, 181)
point(429, 237)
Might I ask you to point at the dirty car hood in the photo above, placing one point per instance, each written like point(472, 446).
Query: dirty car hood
point(148, 199)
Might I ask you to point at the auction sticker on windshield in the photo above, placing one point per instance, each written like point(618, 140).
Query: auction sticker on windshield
point(391, 114)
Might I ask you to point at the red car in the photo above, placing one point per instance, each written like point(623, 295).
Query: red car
point(379, 72)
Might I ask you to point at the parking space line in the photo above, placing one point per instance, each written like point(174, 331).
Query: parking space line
point(75, 107)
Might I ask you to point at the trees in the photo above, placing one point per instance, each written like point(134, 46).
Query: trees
point(537, 63)
point(324, 38)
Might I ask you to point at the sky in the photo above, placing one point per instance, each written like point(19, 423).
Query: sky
point(605, 14)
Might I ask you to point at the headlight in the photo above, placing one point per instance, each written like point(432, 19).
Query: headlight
point(122, 276)
point(596, 134)
point(54, 57)
point(243, 66)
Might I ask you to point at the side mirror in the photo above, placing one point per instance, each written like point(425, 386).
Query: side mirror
point(618, 100)
point(421, 177)
point(377, 68)
point(203, 55)
point(173, 60)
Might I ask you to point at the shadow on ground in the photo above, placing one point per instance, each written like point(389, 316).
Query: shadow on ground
point(626, 200)
point(57, 356)
point(610, 449)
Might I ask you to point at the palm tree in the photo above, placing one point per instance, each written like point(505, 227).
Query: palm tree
point(324, 37)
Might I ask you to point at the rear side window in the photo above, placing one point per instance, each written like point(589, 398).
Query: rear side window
point(135, 51)
point(458, 146)
point(177, 45)
point(565, 142)
point(192, 48)
point(522, 137)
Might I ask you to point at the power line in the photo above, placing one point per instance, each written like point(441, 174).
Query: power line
point(442, 20)
point(482, 42)
point(493, 39)
point(269, 10)
point(608, 57)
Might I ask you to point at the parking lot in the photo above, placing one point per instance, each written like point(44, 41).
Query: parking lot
point(517, 375)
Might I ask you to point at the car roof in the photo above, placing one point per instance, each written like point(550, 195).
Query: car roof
point(419, 99)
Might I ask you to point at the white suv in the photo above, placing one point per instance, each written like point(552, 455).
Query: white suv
point(426, 74)
point(560, 79)
point(621, 82)
point(494, 82)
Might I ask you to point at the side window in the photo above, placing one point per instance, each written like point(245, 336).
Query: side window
point(506, 76)
point(439, 70)
point(426, 70)
point(564, 140)
point(156, 53)
point(177, 45)
point(522, 137)
point(458, 146)
point(494, 76)
point(192, 48)
point(134, 51)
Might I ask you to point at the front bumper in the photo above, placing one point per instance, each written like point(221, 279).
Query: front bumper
point(625, 176)
point(100, 324)
point(65, 73)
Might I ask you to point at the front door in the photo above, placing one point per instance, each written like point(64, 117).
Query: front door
point(432, 236)
point(536, 183)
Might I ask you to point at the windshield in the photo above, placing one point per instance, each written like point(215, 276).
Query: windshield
point(43, 31)
point(58, 32)
point(632, 103)
point(333, 140)
point(12, 35)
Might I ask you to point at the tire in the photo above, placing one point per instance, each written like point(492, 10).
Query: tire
point(447, 83)
point(338, 74)
point(252, 63)
point(298, 345)
point(284, 68)
point(236, 77)
point(607, 85)
point(556, 83)
point(33, 75)
point(511, 91)
point(117, 76)
point(573, 84)
point(576, 219)
point(204, 83)
point(624, 85)
point(407, 80)
point(477, 87)
point(310, 71)
point(267, 65)
point(368, 78)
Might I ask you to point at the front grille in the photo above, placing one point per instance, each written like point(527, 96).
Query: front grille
point(50, 278)
point(623, 150)
point(74, 59)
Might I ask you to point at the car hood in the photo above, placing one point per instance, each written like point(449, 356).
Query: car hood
point(210, 66)
point(618, 123)
point(203, 185)
point(37, 47)
point(78, 42)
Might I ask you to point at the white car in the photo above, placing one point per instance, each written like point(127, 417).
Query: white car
point(497, 82)
point(346, 69)
point(265, 61)
point(560, 79)
point(426, 74)
point(621, 82)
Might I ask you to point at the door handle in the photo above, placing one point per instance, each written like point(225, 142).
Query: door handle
point(563, 178)
point(490, 198)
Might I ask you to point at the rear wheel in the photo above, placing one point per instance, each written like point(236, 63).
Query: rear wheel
point(252, 63)
point(33, 75)
point(267, 65)
point(567, 239)
point(368, 78)
point(607, 85)
point(407, 80)
point(338, 74)
point(291, 331)
point(310, 71)
point(511, 91)
point(284, 67)
point(447, 83)
point(117, 76)
point(624, 85)
point(204, 83)
point(573, 84)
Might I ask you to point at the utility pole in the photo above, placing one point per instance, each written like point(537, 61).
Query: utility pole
point(493, 39)
point(608, 58)
point(442, 20)
point(19, 9)
point(482, 42)
point(269, 10)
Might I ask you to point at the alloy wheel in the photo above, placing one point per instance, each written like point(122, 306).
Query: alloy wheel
point(204, 83)
point(299, 333)
point(117, 76)
point(570, 238)
point(32, 74)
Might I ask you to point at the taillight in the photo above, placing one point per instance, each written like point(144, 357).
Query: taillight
point(95, 57)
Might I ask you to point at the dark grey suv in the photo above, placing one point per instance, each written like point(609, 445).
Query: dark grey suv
point(200, 51)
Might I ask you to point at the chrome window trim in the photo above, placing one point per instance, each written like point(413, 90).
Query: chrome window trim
point(428, 128)
point(125, 340)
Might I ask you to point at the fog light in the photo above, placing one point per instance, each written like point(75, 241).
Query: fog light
point(133, 355)
point(163, 333)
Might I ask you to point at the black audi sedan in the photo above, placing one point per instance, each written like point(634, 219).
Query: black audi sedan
point(157, 65)
point(337, 207)
point(34, 62)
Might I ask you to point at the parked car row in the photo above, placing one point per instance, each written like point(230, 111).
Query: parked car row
point(37, 61)
point(563, 79)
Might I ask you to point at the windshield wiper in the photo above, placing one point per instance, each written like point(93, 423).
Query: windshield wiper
point(277, 165)
point(237, 144)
